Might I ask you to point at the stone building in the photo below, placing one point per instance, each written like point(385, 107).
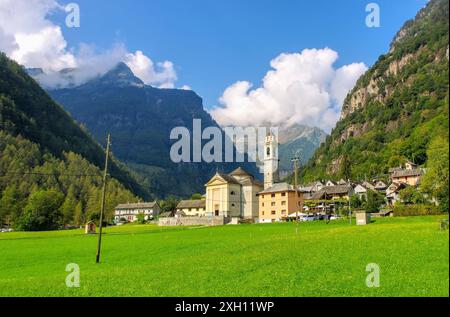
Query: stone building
point(129, 212)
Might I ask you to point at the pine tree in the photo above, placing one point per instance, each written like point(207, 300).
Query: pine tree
point(78, 217)
point(11, 205)
point(68, 207)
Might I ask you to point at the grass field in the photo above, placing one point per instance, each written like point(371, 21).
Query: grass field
point(244, 260)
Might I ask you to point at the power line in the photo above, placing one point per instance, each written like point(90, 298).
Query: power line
point(48, 174)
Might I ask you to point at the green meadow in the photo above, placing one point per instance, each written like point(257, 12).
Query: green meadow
point(244, 260)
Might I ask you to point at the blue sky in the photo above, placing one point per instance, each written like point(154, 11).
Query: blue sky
point(214, 43)
point(254, 62)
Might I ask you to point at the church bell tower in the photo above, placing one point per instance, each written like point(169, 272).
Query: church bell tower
point(271, 175)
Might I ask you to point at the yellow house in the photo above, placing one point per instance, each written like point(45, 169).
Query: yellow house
point(233, 195)
point(278, 201)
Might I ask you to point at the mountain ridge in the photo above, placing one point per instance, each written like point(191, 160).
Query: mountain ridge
point(140, 118)
point(396, 108)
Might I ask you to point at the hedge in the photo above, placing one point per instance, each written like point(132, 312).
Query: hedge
point(416, 210)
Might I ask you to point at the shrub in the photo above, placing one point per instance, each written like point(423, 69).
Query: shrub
point(42, 212)
point(141, 218)
point(401, 210)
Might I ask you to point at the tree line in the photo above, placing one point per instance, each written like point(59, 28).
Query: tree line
point(41, 192)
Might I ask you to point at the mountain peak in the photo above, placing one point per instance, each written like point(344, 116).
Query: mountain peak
point(121, 75)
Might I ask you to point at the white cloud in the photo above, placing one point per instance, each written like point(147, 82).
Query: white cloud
point(31, 39)
point(344, 80)
point(163, 74)
point(300, 88)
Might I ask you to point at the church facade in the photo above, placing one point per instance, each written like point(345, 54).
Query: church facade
point(233, 195)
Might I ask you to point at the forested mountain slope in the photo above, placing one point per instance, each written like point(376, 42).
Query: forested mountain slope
point(397, 110)
point(50, 169)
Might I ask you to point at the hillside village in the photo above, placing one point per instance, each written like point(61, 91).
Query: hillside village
point(393, 126)
point(240, 197)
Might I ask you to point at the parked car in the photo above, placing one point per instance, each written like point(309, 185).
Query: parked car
point(335, 217)
point(307, 218)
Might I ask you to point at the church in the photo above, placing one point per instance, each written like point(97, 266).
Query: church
point(233, 195)
point(238, 194)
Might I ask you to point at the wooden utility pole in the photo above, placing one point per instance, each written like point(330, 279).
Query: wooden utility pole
point(102, 211)
point(296, 160)
point(350, 203)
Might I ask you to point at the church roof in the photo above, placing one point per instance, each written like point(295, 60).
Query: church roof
point(251, 181)
point(238, 176)
point(227, 178)
point(240, 172)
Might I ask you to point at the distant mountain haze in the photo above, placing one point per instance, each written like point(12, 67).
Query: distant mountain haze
point(298, 141)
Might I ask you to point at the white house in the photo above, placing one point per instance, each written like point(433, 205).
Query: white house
point(361, 191)
point(380, 185)
point(392, 192)
point(129, 212)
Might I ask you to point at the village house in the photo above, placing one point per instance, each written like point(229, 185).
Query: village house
point(310, 189)
point(192, 207)
point(380, 186)
point(360, 190)
point(392, 192)
point(129, 212)
point(276, 203)
point(409, 175)
point(368, 185)
point(333, 192)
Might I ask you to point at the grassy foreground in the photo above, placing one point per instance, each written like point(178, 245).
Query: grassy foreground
point(244, 260)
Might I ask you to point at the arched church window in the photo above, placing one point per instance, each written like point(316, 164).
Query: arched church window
point(268, 151)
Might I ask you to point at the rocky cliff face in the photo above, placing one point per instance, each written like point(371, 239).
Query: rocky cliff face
point(298, 141)
point(397, 106)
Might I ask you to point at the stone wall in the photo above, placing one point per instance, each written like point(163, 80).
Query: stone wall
point(193, 221)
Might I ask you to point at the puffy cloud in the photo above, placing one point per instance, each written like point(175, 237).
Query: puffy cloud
point(344, 80)
point(89, 64)
point(30, 38)
point(300, 88)
point(7, 41)
point(163, 74)
point(34, 41)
